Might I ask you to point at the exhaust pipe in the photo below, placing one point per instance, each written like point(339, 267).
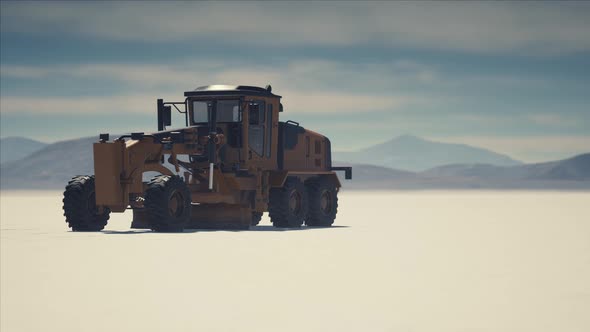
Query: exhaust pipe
point(210, 176)
point(211, 145)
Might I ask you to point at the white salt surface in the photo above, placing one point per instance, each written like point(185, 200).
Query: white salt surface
point(398, 261)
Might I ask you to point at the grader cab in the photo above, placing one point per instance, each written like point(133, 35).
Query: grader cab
point(233, 161)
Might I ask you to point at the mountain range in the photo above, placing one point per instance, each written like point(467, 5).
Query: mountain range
point(416, 154)
point(50, 166)
point(568, 174)
point(15, 148)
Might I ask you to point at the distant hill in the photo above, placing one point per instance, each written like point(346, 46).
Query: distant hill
point(54, 164)
point(416, 154)
point(572, 173)
point(50, 167)
point(572, 169)
point(15, 148)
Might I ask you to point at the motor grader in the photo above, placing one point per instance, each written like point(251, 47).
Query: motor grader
point(233, 161)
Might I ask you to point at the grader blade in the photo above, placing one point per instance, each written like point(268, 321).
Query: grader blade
point(206, 216)
point(139, 219)
point(220, 216)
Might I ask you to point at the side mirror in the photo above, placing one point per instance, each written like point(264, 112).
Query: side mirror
point(164, 115)
point(167, 118)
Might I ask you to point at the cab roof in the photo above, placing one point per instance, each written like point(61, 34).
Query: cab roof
point(231, 90)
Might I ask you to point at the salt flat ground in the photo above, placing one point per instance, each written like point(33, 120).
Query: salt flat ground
point(398, 261)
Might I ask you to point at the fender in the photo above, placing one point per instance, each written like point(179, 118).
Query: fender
point(277, 179)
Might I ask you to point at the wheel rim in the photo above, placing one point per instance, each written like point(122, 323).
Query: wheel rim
point(176, 204)
point(295, 202)
point(326, 202)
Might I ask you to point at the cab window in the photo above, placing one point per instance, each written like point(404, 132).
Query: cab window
point(201, 111)
point(256, 118)
point(227, 111)
point(256, 113)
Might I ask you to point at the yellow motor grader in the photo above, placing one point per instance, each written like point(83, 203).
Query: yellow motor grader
point(233, 161)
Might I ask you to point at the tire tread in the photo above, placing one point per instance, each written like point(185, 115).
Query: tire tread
point(75, 207)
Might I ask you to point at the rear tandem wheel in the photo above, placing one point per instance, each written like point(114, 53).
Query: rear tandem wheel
point(323, 202)
point(288, 205)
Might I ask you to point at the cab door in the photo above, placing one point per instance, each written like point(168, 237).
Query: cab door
point(256, 137)
point(260, 134)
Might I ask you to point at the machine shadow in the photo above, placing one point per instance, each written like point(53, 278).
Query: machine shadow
point(260, 228)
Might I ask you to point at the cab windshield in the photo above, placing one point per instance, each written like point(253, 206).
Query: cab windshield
point(227, 111)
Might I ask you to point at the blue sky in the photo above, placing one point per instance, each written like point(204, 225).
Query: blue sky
point(512, 77)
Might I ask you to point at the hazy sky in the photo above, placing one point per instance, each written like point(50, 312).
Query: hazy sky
point(512, 77)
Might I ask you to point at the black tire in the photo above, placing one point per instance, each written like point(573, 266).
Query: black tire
point(80, 207)
point(323, 202)
point(288, 205)
point(139, 219)
point(256, 217)
point(167, 204)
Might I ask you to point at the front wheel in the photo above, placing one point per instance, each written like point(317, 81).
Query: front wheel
point(80, 210)
point(167, 204)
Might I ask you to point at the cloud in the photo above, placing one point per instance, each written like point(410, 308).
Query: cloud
point(148, 75)
point(306, 85)
point(507, 27)
point(25, 72)
point(78, 105)
point(555, 120)
point(296, 102)
point(301, 102)
point(298, 74)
